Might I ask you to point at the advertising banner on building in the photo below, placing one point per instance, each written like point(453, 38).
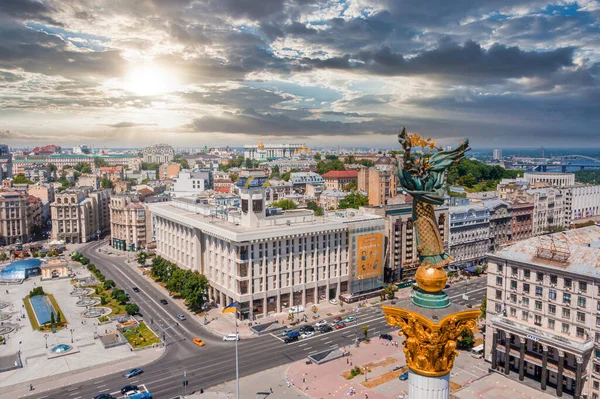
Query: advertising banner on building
point(369, 256)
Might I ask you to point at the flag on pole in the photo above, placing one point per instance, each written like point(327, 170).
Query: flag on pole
point(231, 308)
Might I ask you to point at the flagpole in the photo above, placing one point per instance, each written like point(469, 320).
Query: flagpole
point(237, 371)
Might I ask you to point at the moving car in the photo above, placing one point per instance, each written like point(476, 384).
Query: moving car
point(334, 301)
point(129, 389)
point(289, 339)
point(325, 329)
point(136, 289)
point(181, 317)
point(287, 331)
point(163, 301)
point(133, 373)
point(198, 342)
point(308, 334)
point(104, 396)
point(404, 376)
point(139, 395)
point(385, 336)
point(349, 319)
point(321, 323)
point(306, 327)
point(340, 324)
point(231, 337)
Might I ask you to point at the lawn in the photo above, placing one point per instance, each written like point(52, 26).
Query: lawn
point(47, 326)
point(116, 308)
point(141, 336)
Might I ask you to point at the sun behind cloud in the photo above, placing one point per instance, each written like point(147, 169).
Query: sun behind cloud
point(149, 79)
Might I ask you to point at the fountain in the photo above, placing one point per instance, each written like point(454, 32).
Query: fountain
point(7, 328)
point(96, 312)
point(4, 304)
point(61, 348)
point(81, 292)
point(4, 316)
point(88, 301)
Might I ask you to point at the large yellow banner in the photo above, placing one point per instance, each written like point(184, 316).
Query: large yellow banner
point(370, 255)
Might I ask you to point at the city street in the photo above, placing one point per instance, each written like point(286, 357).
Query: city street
point(214, 363)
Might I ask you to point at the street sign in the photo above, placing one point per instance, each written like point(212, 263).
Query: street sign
point(533, 338)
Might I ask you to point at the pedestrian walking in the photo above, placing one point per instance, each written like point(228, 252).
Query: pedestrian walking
point(270, 390)
point(31, 387)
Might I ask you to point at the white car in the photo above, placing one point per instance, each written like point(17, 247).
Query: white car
point(334, 302)
point(297, 309)
point(308, 334)
point(321, 323)
point(231, 337)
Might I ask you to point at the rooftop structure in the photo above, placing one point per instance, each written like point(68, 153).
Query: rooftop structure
point(158, 153)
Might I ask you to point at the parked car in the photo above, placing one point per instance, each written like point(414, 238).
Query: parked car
point(404, 376)
point(139, 395)
point(231, 337)
point(385, 336)
point(334, 302)
point(339, 318)
point(104, 396)
point(287, 331)
point(305, 328)
point(308, 334)
point(325, 329)
point(133, 373)
point(293, 333)
point(163, 301)
point(181, 317)
point(340, 324)
point(129, 388)
point(136, 289)
point(349, 319)
point(198, 342)
point(289, 339)
point(321, 323)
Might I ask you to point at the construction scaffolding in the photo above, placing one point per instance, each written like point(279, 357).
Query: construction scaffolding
point(551, 248)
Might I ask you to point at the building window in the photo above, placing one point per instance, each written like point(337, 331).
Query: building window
point(597, 321)
point(566, 313)
point(581, 302)
point(526, 302)
point(539, 277)
point(513, 298)
point(538, 290)
point(513, 284)
point(499, 268)
point(597, 337)
point(514, 271)
point(551, 324)
point(526, 288)
point(565, 328)
point(527, 273)
point(525, 315)
point(566, 298)
point(579, 332)
point(538, 305)
point(567, 283)
point(596, 385)
point(498, 308)
point(513, 312)
point(499, 280)
point(596, 368)
point(551, 309)
point(553, 280)
point(498, 294)
point(581, 317)
point(552, 294)
point(537, 320)
point(582, 286)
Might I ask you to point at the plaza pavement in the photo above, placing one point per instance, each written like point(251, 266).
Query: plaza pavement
point(497, 386)
point(46, 373)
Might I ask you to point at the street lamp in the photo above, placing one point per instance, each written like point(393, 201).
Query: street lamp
point(71, 334)
point(356, 326)
point(366, 371)
point(46, 337)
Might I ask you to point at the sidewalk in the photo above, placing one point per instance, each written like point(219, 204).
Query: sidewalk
point(42, 385)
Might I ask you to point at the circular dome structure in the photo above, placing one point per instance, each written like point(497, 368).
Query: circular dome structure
point(384, 160)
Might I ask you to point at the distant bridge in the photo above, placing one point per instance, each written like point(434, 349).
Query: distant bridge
point(563, 162)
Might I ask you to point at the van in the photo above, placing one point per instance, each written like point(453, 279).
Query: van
point(477, 352)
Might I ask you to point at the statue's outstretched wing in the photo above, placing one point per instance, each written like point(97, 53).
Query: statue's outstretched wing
point(444, 159)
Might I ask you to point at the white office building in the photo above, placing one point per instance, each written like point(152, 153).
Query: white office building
point(268, 260)
point(190, 182)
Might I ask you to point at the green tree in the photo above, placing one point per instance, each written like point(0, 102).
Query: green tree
point(286, 176)
point(366, 162)
point(466, 340)
point(115, 293)
point(132, 309)
point(390, 291)
point(350, 159)
point(184, 163)
point(194, 291)
point(329, 165)
point(141, 258)
point(483, 307)
point(100, 162)
point(352, 186)
point(314, 309)
point(177, 280)
point(317, 156)
point(106, 183)
point(284, 204)
point(58, 318)
point(3, 256)
point(331, 157)
point(150, 166)
point(316, 208)
point(274, 172)
point(365, 330)
point(53, 168)
point(354, 200)
point(121, 297)
point(83, 167)
point(21, 179)
point(108, 284)
point(52, 319)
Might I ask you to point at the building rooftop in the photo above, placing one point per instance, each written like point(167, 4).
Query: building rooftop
point(576, 251)
point(341, 174)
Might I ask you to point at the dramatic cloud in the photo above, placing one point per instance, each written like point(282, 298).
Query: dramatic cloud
point(503, 72)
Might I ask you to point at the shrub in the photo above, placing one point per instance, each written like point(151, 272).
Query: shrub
point(43, 255)
point(103, 300)
point(36, 291)
point(108, 284)
point(132, 309)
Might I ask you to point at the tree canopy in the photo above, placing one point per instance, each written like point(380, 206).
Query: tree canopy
point(354, 200)
point(100, 162)
point(312, 205)
point(588, 176)
point(21, 179)
point(477, 175)
point(285, 204)
point(329, 165)
point(190, 285)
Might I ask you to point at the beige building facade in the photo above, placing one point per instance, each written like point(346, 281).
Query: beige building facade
point(129, 223)
point(14, 222)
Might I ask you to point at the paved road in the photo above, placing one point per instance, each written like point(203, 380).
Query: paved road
point(215, 363)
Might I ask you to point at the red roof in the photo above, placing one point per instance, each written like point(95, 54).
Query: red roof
point(341, 174)
point(222, 189)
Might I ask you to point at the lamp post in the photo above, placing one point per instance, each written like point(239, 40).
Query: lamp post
point(366, 371)
point(356, 326)
point(71, 334)
point(46, 337)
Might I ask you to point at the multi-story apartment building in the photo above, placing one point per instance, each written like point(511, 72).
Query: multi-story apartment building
point(338, 179)
point(585, 200)
point(500, 223)
point(14, 222)
point(330, 199)
point(543, 301)
point(129, 223)
point(402, 256)
point(158, 153)
point(192, 181)
point(380, 181)
point(469, 233)
point(112, 173)
point(522, 220)
point(169, 171)
point(301, 179)
point(80, 214)
point(88, 180)
point(6, 163)
point(267, 261)
point(287, 165)
point(37, 174)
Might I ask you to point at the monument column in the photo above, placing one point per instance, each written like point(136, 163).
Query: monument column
point(506, 353)
point(522, 342)
point(559, 376)
point(495, 349)
point(544, 365)
point(578, 382)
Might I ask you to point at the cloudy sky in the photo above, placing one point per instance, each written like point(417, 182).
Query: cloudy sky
point(505, 73)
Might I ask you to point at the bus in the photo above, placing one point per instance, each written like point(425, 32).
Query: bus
point(477, 352)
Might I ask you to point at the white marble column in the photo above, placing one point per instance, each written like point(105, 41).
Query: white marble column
point(422, 387)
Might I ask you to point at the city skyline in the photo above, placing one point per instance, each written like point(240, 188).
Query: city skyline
point(505, 74)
